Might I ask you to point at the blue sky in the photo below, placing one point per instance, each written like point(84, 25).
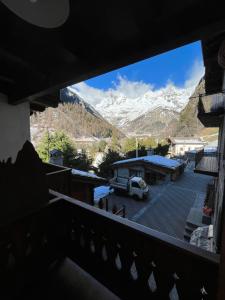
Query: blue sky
point(180, 69)
point(174, 66)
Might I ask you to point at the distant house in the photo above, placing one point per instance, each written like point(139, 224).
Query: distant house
point(208, 151)
point(150, 168)
point(180, 145)
point(56, 157)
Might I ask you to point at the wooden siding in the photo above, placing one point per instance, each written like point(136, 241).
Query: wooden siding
point(208, 166)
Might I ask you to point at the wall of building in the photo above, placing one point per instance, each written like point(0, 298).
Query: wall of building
point(181, 149)
point(15, 128)
point(122, 172)
point(82, 191)
point(129, 171)
point(219, 197)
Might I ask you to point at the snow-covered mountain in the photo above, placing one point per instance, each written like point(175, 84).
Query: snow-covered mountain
point(120, 108)
point(68, 96)
point(78, 119)
point(158, 122)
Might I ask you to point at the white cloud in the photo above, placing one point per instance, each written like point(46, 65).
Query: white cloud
point(131, 89)
point(195, 73)
point(124, 88)
point(90, 94)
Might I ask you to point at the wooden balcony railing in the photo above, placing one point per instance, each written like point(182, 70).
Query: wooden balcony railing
point(133, 261)
point(58, 178)
point(198, 156)
point(206, 164)
point(104, 204)
point(120, 212)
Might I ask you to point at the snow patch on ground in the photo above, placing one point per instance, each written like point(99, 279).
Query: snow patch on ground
point(101, 192)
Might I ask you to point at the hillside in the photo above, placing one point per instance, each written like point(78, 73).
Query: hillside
point(159, 122)
point(163, 122)
point(75, 117)
point(189, 124)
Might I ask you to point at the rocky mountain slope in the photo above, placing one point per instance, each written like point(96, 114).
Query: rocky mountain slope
point(188, 123)
point(158, 122)
point(162, 122)
point(75, 117)
point(120, 109)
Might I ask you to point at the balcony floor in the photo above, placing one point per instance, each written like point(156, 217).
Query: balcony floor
point(169, 203)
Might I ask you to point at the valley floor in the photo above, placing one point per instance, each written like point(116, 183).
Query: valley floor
point(169, 203)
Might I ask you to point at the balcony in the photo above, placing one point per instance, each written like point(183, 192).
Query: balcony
point(206, 164)
point(58, 178)
point(129, 259)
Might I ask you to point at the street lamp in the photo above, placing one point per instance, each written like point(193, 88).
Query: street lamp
point(136, 147)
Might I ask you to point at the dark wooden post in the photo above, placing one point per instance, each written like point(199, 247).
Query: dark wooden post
point(124, 211)
point(106, 204)
point(221, 278)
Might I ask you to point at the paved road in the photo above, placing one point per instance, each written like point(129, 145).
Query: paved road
point(169, 204)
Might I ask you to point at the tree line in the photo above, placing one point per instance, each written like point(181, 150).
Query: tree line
point(114, 149)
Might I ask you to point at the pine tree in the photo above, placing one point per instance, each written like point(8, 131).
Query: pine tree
point(60, 141)
point(57, 140)
point(105, 168)
point(115, 142)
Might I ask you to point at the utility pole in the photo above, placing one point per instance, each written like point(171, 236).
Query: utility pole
point(136, 147)
point(48, 144)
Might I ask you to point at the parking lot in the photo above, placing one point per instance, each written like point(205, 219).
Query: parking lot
point(168, 203)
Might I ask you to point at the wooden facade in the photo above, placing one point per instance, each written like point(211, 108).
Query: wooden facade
point(148, 171)
point(180, 145)
point(81, 187)
point(58, 178)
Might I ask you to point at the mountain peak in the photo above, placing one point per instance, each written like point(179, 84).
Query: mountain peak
point(120, 107)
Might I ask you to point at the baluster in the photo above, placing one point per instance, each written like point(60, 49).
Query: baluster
point(164, 274)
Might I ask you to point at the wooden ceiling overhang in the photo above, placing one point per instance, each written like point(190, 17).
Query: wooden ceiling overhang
point(99, 36)
point(213, 71)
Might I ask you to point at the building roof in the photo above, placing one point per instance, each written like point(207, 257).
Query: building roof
point(98, 37)
point(56, 151)
point(87, 175)
point(186, 140)
point(153, 160)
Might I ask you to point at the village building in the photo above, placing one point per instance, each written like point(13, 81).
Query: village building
point(56, 157)
point(73, 182)
point(151, 168)
point(208, 151)
point(83, 185)
point(180, 145)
